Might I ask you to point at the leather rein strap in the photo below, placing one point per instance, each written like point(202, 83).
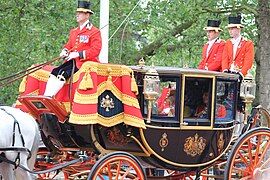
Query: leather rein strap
point(16, 163)
point(14, 77)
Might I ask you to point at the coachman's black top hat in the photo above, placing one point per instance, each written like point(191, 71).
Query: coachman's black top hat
point(84, 6)
point(213, 25)
point(235, 22)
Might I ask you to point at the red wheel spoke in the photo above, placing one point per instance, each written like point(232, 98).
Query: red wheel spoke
point(240, 169)
point(243, 158)
point(256, 158)
point(264, 151)
point(117, 166)
point(101, 176)
point(118, 169)
point(127, 171)
point(249, 155)
point(251, 165)
point(109, 171)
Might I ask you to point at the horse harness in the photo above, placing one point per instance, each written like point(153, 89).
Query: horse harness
point(16, 163)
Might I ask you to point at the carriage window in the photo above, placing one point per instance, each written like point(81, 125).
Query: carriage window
point(38, 105)
point(225, 100)
point(198, 100)
point(165, 103)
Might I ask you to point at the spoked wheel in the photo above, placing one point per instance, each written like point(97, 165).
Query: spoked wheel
point(250, 156)
point(117, 165)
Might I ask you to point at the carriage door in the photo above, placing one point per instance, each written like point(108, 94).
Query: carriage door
point(197, 105)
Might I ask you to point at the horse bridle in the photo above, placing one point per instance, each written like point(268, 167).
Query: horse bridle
point(16, 162)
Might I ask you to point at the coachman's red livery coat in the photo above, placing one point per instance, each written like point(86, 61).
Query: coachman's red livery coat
point(212, 62)
point(244, 55)
point(87, 41)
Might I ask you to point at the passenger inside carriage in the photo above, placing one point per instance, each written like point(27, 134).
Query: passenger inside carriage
point(226, 96)
point(202, 109)
point(166, 102)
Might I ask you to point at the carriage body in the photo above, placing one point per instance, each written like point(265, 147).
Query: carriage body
point(175, 138)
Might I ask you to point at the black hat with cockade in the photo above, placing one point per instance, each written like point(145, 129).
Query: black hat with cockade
point(213, 25)
point(235, 21)
point(84, 6)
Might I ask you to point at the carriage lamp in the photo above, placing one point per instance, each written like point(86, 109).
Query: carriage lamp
point(150, 89)
point(247, 93)
point(247, 89)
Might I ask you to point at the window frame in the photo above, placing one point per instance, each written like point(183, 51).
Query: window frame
point(184, 121)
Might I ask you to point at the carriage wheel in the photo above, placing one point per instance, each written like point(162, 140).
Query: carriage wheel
point(250, 156)
point(44, 162)
point(117, 165)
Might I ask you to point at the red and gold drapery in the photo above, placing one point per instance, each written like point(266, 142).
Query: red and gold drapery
point(100, 94)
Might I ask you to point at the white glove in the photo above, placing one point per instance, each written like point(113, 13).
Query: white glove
point(64, 53)
point(72, 55)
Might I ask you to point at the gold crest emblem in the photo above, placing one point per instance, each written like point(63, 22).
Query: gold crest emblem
point(220, 142)
point(194, 145)
point(163, 142)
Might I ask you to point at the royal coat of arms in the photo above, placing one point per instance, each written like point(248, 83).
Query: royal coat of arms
point(194, 145)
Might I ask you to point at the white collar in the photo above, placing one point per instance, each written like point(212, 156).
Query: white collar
point(237, 40)
point(84, 24)
point(212, 41)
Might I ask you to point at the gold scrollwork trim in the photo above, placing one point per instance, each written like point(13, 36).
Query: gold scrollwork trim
point(85, 98)
point(107, 151)
point(107, 122)
point(150, 150)
point(130, 101)
point(67, 106)
point(102, 69)
point(18, 103)
point(41, 75)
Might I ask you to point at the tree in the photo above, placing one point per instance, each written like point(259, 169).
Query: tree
point(164, 32)
point(263, 54)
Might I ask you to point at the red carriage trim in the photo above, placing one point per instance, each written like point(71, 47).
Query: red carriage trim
point(106, 78)
point(89, 83)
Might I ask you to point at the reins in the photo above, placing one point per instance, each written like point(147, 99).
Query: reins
point(14, 77)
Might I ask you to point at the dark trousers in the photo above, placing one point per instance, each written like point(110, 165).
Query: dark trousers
point(65, 69)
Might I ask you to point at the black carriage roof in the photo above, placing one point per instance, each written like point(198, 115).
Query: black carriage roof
point(186, 71)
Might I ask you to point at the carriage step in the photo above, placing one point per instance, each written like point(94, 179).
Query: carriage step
point(38, 105)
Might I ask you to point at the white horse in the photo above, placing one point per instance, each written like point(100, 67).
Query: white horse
point(31, 138)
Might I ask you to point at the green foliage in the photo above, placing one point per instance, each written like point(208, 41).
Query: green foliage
point(165, 32)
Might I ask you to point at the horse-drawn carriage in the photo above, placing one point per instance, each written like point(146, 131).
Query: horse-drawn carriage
point(142, 122)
